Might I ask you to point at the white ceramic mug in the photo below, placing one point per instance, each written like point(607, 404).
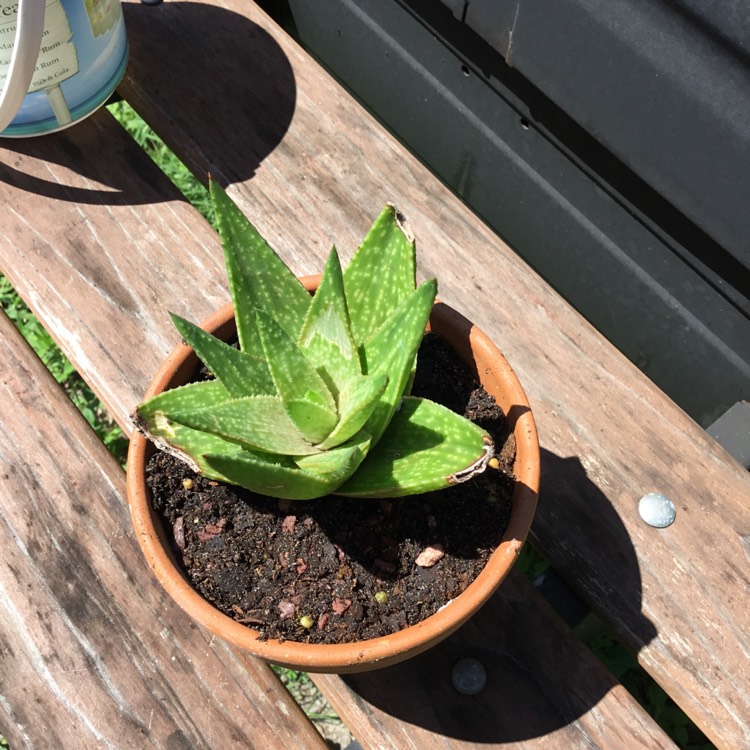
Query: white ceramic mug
point(59, 61)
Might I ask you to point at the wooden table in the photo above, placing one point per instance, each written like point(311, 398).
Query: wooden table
point(101, 245)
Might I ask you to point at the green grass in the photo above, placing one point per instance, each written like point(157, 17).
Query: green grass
point(623, 664)
point(172, 167)
point(62, 370)
point(315, 706)
point(665, 712)
point(302, 690)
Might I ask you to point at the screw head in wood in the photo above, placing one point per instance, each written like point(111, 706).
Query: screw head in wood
point(657, 510)
point(468, 676)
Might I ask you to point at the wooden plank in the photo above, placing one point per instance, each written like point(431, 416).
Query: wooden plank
point(93, 311)
point(97, 308)
point(86, 216)
point(544, 689)
point(310, 166)
point(92, 652)
point(608, 435)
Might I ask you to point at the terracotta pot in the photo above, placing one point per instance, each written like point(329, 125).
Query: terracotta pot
point(498, 379)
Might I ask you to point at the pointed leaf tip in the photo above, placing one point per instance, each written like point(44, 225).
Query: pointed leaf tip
point(258, 278)
point(326, 337)
point(241, 373)
point(381, 273)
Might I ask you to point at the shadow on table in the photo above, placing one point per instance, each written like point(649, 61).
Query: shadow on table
point(539, 679)
point(224, 81)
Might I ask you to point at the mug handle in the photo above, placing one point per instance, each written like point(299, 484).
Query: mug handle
point(28, 41)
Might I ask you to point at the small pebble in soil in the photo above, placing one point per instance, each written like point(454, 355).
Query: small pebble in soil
point(430, 555)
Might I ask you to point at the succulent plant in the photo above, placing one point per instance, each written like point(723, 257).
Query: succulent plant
point(315, 399)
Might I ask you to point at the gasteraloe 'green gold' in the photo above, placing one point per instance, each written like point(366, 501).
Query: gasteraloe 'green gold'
point(315, 399)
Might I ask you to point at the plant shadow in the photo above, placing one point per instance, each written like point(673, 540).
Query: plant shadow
point(241, 93)
point(540, 678)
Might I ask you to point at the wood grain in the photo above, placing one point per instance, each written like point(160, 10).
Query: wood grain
point(677, 596)
point(544, 690)
point(106, 294)
point(86, 219)
point(101, 249)
point(92, 653)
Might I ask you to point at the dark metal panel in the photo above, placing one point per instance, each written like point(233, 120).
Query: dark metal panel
point(727, 21)
point(664, 85)
point(457, 7)
point(732, 430)
point(620, 271)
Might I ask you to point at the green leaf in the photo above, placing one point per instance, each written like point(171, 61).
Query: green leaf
point(422, 450)
point(314, 421)
point(192, 445)
point(297, 381)
point(189, 445)
point(258, 278)
point(241, 373)
point(380, 275)
point(256, 422)
point(326, 337)
point(276, 479)
point(357, 402)
point(393, 351)
point(185, 398)
point(339, 462)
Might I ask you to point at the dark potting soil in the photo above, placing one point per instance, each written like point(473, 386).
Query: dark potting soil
point(339, 569)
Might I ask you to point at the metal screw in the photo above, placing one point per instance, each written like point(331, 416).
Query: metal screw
point(468, 676)
point(657, 510)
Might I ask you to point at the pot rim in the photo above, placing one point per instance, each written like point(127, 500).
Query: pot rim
point(502, 383)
